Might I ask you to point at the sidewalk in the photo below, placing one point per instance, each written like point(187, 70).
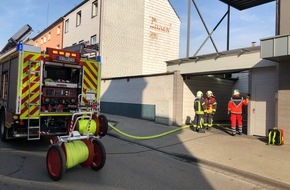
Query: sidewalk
point(244, 156)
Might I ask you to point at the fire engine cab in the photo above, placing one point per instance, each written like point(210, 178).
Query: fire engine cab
point(39, 91)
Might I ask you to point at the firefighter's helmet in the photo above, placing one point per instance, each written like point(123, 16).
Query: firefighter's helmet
point(236, 92)
point(209, 93)
point(199, 94)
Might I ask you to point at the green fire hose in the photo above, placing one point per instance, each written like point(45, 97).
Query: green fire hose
point(147, 137)
point(157, 135)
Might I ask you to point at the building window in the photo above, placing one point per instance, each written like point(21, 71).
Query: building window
point(58, 30)
point(57, 46)
point(66, 26)
point(94, 8)
point(36, 43)
point(41, 41)
point(44, 39)
point(79, 18)
point(93, 40)
point(49, 36)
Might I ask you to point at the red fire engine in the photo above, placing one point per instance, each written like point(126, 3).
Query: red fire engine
point(55, 93)
point(39, 91)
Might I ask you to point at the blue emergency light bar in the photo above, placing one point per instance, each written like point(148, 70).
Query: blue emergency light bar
point(20, 47)
point(99, 58)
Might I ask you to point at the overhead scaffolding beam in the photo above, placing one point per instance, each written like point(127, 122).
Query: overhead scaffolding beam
point(210, 34)
point(193, 1)
point(245, 4)
point(207, 30)
point(238, 4)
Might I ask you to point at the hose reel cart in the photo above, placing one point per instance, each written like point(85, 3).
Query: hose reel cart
point(82, 145)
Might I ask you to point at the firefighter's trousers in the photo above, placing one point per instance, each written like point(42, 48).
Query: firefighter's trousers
point(208, 120)
point(236, 118)
point(198, 120)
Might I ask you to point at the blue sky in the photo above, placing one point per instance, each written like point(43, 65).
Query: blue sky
point(247, 26)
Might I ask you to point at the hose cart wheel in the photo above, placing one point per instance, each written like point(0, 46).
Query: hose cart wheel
point(99, 158)
point(103, 125)
point(55, 162)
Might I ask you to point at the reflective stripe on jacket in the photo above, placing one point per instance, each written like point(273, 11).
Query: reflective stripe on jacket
point(210, 104)
point(235, 105)
point(199, 106)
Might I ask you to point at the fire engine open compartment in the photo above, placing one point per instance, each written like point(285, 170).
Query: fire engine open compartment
point(56, 125)
point(62, 74)
point(61, 86)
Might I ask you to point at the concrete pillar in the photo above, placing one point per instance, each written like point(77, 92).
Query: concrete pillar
point(177, 98)
point(283, 108)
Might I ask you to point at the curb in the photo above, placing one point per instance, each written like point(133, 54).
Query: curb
point(263, 181)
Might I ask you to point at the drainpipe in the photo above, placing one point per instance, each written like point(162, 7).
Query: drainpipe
point(100, 26)
point(278, 6)
point(188, 28)
point(228, 29)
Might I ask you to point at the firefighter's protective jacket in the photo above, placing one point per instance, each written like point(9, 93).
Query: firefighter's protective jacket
point(210, 105)
point(199, 106)
point(235, 105)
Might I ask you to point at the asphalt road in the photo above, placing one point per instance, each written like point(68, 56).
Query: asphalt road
point(128, 166)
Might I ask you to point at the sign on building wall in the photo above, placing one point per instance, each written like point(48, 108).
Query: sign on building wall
point(157, 26)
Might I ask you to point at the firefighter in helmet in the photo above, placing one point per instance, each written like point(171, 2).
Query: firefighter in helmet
point(210, 109)
point(199, 107)
point(235, 109)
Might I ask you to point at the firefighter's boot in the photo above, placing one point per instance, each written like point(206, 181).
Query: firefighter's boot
point(199, 129)
point(194, 127)
point(240, 130)
point(234, 132)
point(205, 125)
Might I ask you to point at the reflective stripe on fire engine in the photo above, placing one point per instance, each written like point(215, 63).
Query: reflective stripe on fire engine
point(90, 79)
point(8, 125)
point(30, 86)
point(56, 114)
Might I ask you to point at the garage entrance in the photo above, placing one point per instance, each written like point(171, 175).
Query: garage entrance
point(249, 73)
point(222, 87)
point(260, 83)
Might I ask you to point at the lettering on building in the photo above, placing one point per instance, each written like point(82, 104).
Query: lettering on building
point(159, 26)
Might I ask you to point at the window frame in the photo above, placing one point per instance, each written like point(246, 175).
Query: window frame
point(91, 39)
point(58, 30)
point(95, 8)
point(78, 18)
point(66, 26)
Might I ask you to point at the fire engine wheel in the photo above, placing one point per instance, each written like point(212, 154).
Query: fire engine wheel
point(103, 125)
point(55, 162)
point(99, 158)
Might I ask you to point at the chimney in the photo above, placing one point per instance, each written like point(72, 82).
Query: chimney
point(253, 44)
